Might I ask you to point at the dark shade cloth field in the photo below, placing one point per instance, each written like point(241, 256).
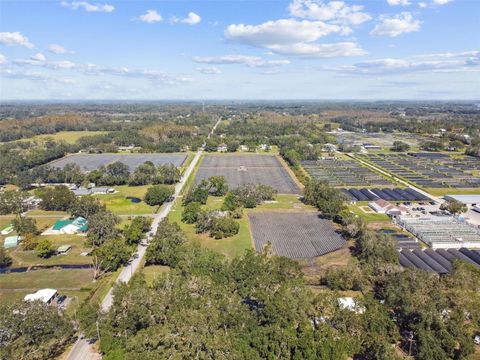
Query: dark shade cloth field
point(437, 261)
point(431, 170)
point(295, 235)
point(248, 169)
point(89, 162)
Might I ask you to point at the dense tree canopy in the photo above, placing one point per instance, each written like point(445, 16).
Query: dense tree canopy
point(32, 331)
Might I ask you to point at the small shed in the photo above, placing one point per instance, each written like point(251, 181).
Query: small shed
point(7, 230)
point(64, 249)
point(11, 241)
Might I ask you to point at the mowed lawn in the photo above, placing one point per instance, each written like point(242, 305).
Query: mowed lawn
point(43, 223)
point(452, 191)
point(153, 272)
point(368, 217)
point(73, 257)
point(235, 245)
point(15, 286)
point(120, 205)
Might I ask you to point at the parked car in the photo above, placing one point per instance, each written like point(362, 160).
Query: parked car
point(61, 299)
point(476, 340)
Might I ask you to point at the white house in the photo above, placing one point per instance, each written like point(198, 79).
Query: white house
point(380, 206)
point(222, 147)
point(384, 207)
point(44, 295)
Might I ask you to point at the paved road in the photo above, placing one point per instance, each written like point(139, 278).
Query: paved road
point(82, 350)
point(137, 257)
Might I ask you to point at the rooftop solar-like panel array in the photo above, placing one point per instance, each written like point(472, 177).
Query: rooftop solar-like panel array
point(385, 194)
point(89, 162)
point(431, 170)
point(437, 261)
point(294, 235)
point(343, 173)
point(248, 169)
point(442, 232)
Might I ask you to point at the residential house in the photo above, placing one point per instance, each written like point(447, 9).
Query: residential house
point(78, 225)
point(222, 147)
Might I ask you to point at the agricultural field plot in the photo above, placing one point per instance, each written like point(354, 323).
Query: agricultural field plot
point(343, 173)
point(394, 194)
point(383, 140)
point(437, 261)
point(431, 170)
point(248, 169)
point(299, 235)
point(89, 162)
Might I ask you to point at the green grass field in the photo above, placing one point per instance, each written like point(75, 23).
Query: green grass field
point(450, 191)
point(70, 137)
point(120, 205)
point(368, 217)
point(235, 245)
point(27, 258)
point(152, 272)
point(69, 282)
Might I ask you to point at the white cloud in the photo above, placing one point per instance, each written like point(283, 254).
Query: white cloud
point(250, 61)
point(150, 17)
point(191, 19)
point(441, 2)
point(156, 76)
point(398, 2)
point(211, 70)
point(58, 49)
point(442, 62)
point(15, 38)
point(293, 37)
point(67, 81)
point(394, 26)
point(321, 50)
point(88, 7)
point(433, 3)
point(283, 31)
point(3, 59)
point(38, 57)
point(334, 11)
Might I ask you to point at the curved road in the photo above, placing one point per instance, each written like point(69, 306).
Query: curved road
point(82, 350)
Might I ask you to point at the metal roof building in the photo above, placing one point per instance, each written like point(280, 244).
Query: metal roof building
point(469, 199)
point(44, 295)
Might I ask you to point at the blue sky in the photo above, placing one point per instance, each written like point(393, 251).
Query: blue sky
point(297, 49)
